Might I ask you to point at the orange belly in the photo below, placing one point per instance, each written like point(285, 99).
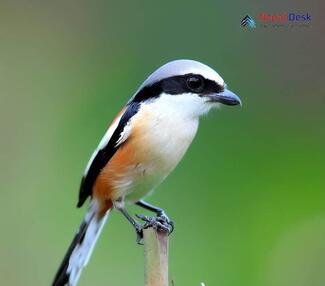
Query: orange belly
point(151, 151)
point(105, 187)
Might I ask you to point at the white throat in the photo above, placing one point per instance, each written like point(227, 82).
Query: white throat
point(187, 106)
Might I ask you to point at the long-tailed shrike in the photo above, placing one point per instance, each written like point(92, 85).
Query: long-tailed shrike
point(144, 143)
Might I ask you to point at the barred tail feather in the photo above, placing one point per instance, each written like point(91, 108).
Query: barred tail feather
point(79, 252)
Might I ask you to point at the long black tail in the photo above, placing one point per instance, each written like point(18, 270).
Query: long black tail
point(78, 254)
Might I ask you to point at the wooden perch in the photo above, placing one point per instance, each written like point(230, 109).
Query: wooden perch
point(156, 257)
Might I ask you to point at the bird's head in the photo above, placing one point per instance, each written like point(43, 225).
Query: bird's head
point(185, 86)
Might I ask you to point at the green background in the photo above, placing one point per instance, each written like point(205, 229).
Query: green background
point(248, 200)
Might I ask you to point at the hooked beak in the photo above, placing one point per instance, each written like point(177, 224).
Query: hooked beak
point(225, 97)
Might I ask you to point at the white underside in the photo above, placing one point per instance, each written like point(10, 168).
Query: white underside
point(168, 126)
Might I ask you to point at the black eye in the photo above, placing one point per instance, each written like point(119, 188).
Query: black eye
point(195, 83)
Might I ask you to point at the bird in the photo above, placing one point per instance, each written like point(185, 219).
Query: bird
point(141, 147)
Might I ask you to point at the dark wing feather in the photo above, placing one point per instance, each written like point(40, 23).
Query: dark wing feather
point(105, 154)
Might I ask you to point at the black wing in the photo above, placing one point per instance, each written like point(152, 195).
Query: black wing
point(105, 154)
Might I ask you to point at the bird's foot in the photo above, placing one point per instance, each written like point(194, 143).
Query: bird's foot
point(164, 219)
point(139, 231)
point(160, 223)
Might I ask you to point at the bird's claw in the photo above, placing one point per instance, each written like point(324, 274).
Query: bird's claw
point(164, 219)
point(139, 231)
point(160, 223)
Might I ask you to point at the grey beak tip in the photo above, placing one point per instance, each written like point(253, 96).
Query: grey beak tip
point(226, 97)
point(230, 98)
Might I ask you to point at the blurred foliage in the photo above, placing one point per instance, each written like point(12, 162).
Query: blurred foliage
point(248, 199)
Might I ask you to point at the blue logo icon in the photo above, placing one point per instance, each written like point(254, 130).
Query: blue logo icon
point(248, 21)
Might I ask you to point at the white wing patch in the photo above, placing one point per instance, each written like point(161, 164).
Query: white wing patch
point(124, 134)
point(103, 142)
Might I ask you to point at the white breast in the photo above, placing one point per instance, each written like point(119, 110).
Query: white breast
point(162, 134)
